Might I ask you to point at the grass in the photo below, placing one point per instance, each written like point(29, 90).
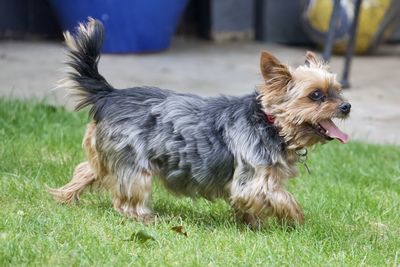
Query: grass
point(351, 202)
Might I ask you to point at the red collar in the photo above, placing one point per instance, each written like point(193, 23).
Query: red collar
point(270, 118)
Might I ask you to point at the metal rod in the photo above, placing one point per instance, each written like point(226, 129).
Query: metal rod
point(331, 33)
point(351, 44)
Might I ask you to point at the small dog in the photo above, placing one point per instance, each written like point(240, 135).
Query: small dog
point(241, 149)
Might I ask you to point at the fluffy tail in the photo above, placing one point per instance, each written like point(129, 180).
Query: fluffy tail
point(84, 53)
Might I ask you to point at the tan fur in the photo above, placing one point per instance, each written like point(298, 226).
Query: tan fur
point(89, 145)
point(85, 173)
point(132, 201)
point(129, 199)
point(82, 178)
point(315, 62)
point(254, 195)
point(87, 29)
point(264, 195)
point(285, 94)
point(72, 87)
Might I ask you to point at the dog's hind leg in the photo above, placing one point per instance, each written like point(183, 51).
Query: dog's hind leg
point(85, 173)
point(83, 177)
point(131, 196)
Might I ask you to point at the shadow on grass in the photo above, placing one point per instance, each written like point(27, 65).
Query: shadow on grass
point(194, 213)
point(210, 215)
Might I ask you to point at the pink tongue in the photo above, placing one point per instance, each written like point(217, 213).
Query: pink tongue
point(333, 131)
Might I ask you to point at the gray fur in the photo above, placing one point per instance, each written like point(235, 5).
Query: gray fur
point(192, 143)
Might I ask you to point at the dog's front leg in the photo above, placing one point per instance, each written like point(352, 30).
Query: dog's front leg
point(248, 195)
point(256, 193)
point(285, 207)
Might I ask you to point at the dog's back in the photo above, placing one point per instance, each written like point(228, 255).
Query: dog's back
point(193, 144)
point(186, 140)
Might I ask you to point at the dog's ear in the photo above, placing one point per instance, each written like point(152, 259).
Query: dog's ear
point(313, 60)
point(272, 68)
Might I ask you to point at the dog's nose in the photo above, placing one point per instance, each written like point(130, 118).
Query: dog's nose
point(345, 107)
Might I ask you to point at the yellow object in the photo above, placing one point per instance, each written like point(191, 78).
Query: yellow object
point(371, 16)
point(319, 15)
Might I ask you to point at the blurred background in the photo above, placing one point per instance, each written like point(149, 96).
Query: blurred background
point(212, 47)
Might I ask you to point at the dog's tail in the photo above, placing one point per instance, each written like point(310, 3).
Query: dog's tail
point(83, 49)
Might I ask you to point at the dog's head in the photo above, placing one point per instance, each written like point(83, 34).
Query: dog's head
point(303, 100)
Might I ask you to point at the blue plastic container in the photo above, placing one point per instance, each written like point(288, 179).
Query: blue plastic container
point(132, 26)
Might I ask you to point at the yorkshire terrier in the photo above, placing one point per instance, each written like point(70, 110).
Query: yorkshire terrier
point(242, 149)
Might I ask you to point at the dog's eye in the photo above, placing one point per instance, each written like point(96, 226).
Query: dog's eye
point(317, 95)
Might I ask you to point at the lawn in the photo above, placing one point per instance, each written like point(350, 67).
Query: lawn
point(351, 202)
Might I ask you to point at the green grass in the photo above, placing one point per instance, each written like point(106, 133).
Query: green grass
point(351, 203)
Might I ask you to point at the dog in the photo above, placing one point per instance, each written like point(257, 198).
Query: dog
point(241, 149)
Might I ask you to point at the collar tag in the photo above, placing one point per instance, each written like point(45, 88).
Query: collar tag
point(302, 153)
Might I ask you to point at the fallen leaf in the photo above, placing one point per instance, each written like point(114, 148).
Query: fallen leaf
point(180, 230)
